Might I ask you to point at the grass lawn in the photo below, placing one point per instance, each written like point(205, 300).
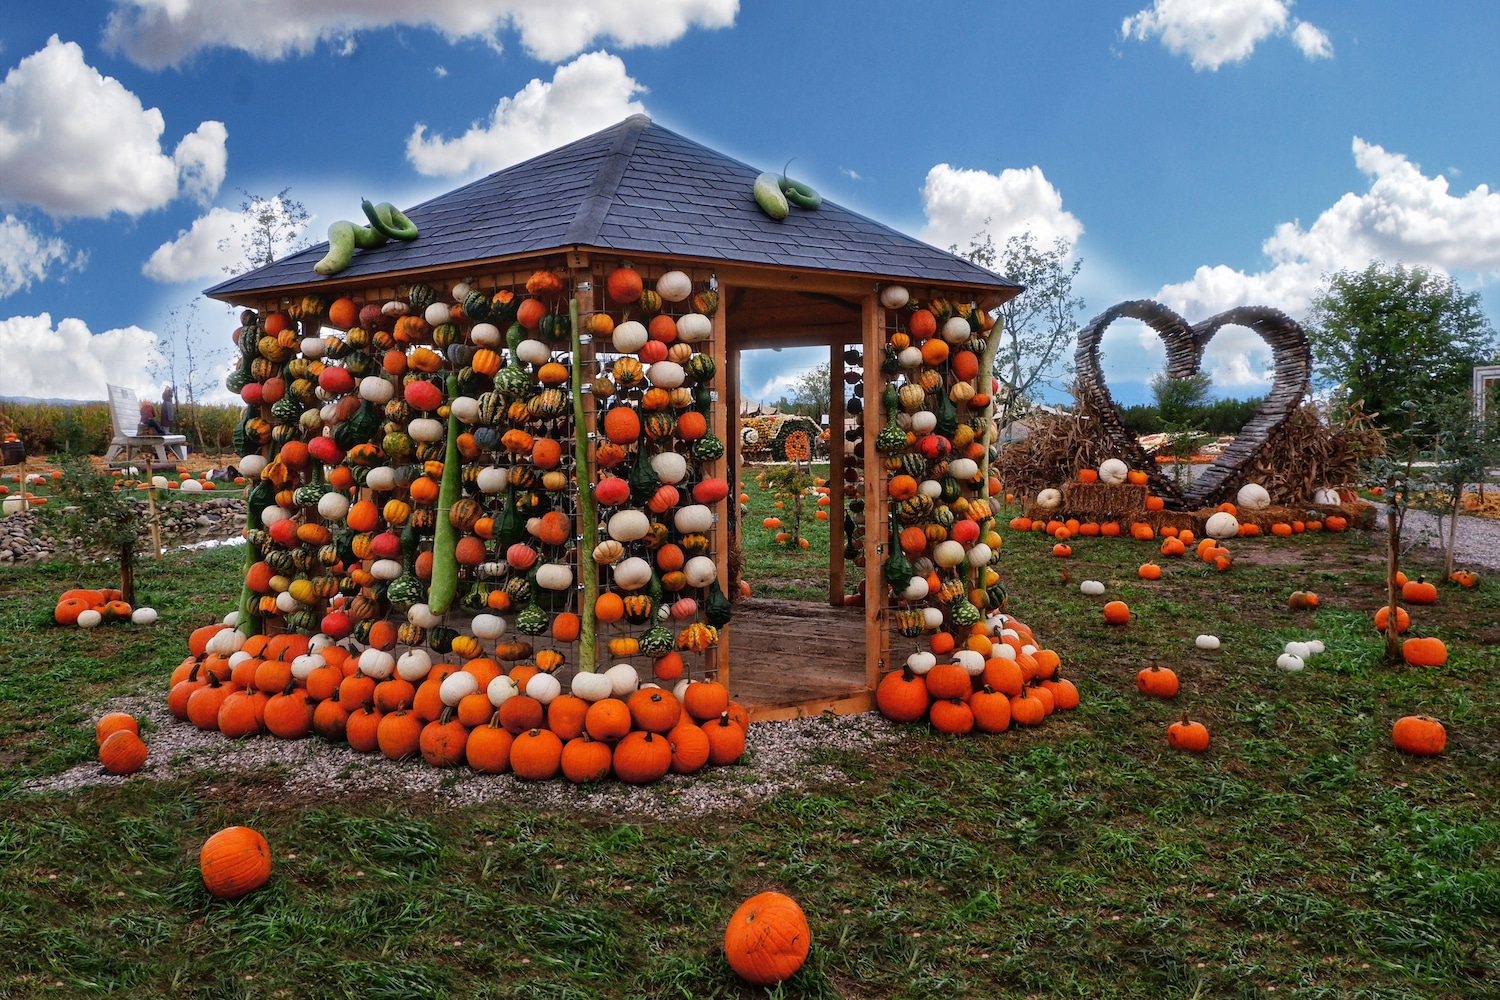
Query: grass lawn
point(1300, 856)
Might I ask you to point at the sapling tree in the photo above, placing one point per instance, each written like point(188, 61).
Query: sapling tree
point(87, 508)
point(1462, 450)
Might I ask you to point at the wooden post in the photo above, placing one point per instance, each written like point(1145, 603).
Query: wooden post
point(155, 523)
point(874, 479)
point(836, 473)
point(717, 658)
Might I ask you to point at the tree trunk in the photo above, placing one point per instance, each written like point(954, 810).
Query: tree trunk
point(127, 573)
point(1393, 566)
point(1458, 498)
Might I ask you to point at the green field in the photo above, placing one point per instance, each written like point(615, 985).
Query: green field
point(1300, 856)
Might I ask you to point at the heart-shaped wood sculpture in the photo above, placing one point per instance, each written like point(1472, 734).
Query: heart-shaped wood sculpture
point(1291, 357)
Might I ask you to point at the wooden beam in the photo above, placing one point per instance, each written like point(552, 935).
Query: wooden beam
point(872, 341)
point(835, 474)
point(718, 658)
point(851, 704)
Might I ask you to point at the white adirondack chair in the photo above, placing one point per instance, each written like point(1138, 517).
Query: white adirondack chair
point(125, 415)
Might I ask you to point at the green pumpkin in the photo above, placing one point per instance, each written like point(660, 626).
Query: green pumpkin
point(309, 495)
point(398, 446)
point(405, 590)
point(532, 620)
point(283, 433)
point(445, 335)
point(513, 382)
point(915, 510)
point(950, 490)
point(398, 411)
point(891, 438)
point(440, 638)
point(556, 326)
point(287, 409)
point(657, 641)
point(518, 589)
point(238, 379)
point(914, 465)
point(421, 296)
point(701, 367)
point(964, 614)
point(549, 403)
point(476, 306)
point(283, 561)
point(492, 407)
point(941, 514)
point(708, 449)
point(910, 623)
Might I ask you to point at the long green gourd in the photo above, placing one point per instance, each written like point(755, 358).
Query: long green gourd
point(444, 586)
point(987, 371)
point(588, 511)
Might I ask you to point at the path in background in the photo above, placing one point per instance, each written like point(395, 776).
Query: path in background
point(1478, 541)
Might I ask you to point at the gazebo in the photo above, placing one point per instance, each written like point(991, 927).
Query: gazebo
point(639, 196)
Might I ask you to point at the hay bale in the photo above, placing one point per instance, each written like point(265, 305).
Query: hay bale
point(1104, 499)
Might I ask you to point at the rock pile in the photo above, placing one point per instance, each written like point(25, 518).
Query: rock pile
point(25, 538)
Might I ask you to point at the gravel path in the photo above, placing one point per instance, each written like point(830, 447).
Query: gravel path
point(1478, 542)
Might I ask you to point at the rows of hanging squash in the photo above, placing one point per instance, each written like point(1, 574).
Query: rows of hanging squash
point(492, 475)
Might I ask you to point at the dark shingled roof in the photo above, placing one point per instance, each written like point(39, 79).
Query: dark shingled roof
point(635, 187)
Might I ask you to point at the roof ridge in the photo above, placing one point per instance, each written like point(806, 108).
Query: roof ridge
point(594, 206)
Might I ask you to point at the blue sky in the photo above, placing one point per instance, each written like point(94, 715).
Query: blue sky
point(1205, 152)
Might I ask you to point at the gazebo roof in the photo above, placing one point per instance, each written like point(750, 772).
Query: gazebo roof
point(634, 187)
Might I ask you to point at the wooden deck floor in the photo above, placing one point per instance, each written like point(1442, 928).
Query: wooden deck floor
point(786, 656)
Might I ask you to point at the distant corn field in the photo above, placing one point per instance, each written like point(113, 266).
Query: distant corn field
point(84, 428)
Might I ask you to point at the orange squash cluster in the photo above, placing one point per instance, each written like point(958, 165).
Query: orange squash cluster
point(993, 681)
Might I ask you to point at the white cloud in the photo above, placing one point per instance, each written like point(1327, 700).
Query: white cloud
point(853, 175)
point(69, 362)
point(1404, 216)
point(158, 33)
point(960, 203)
point(74, 142)
point(440, 71)
point(1312, 42)
point(585, 95)
point(26, 257)
point(195, 254)
point(1214, 32)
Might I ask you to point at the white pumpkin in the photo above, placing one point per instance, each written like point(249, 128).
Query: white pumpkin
point(413, 665)
point(1112, 470)
point(466, 409)
point(948, 554)
point(533, 352)
point(1315, 646)
point(333, 506)
point(543, 687)
point(674, 286)
point(486, 335)
point(1252, 496)
point(143, 616)
point(318, 643)
point(225, 642)
point(930, 488)
point(251, 466)
point(386, 569)
point(1222, 525)
point(190, 486)
point(923, 421)
point(501, 690)
point(608, 552)
point(963, 469)
point(1290, 663)
point(932, 619)
point(421, 616)
point(666, 375)
point(894, 296)
point(312, 347)
point(158, 482)
point(591, 686)
point(460, 291)
point(304, 665)
point(632, 574)
point(628, 525)
point(915, 590)
point(910, 357)
point(1092, 587)
point(487, 626)
point(700, 571)
point(457, 686)
point(235, 659)
point(376, 389)
point(694, 518)
point(554, 576)
point(679, 690)
point(694, 328)
point(629, 337)
point(956, 330)
point(89, 618)
point(377, 664)
point(382, 477)
point(427, 429)
point(623, 680)
point(1207, 642)
point(1327, 497)
point(1003, 650)
point(921, 662)
point(980, 554)
point(490, 480)
point(1301, 650)
point(395, 308)
point(1049, 499)
point(670, 468)
point(970, 660)
point(437, 314)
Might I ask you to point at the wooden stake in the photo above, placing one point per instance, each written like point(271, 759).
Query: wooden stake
point(836, 473)
point(155, 523)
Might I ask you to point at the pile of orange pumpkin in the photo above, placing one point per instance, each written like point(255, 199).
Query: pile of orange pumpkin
point(450, 714)
point(995, 679)
point(85, 608)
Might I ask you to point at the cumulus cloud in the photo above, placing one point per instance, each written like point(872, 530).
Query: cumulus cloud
point(1404, 216)
point(158, 33)
point(74, 142)
point(198, 253)
point(585, 95)
point(69, 362)
point(1214, 32)
point(26, 257)
point(960, 203)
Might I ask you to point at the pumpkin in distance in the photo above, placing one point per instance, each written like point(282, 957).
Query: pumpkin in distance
point(235, 861)
point(768, 939)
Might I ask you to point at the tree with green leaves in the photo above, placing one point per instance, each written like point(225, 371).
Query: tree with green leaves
point(810, 392)
point(87, 509)
point(1391, 334)
point(272, 227)
point(1039, 324)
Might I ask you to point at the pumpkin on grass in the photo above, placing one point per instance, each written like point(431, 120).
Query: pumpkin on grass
point(1188, 735)
point(1419, 735)
point(235, 861)
point(768, 939)
point(122, 752)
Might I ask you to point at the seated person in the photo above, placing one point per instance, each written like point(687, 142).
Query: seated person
point(166, 413)
point(149, 426)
